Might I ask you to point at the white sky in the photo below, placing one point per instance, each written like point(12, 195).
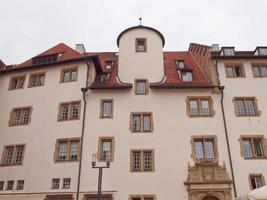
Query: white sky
point(28, 27)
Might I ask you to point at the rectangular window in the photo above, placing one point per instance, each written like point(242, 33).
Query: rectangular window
point(228, 51)
point(13, 155)
point(180, 64)
point(204, 148)
point(252, 147)
point(187, 76)
point(235, 71)
point(109, 64)
point(2, 185)
point(246, 106)
point(141, 87)
point(9, 185)
point(67, 149)
point(66, 183)
point(69, 110)
point(59, 197)
point(70, 74)
point(259, 71)
point(141, 122)
point(55, 183)
point(20, 185)
point(256, 181)
point(17, 82)
point(200, 106)
point(106, 108)
point(106, 149)
point(142, 160)
point(142, 197)
point(262, 51)
point(36, 79)
point(140, 45)
point(94, 197)
point(20, 116)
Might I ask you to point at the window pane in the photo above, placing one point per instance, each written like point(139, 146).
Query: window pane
point(16, 117)
point(66, 76)
point(20, 185)
point(240, 107)
point(209, 149)
point(41, 79)
point(147, 123)
point(75, 111)
point(19, 154)
point(26, 116)
point(256, 71)
point(187, 76)
point(141, 87)
point(74, 150)
point(199, 151)
point(107, 109)
point(106, 150)
point(263, 51)
point(137, 123)
point(193, 107)
point(55, 183)
point(66, 183)
point(62, 153)
point(263, 71)
point(147, 161)
point(205, 107)
point(229, 52)
point(256, 182)
point(140, 45)
point(74, 74)
point(229, 72)
point(258, 147)
point(247, 149)
point(238, 71)
point(136, 161)
point(250, 107)
point(2, 185)
point(65, 111)
point(10, 185)
point(9, 155)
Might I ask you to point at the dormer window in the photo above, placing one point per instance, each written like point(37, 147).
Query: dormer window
point(104, 78)
point(45, 59)
point(140, 45)
point(228, 51)
point(109, 64)
point(261, 51)
point(187, 76)
point(180, 64)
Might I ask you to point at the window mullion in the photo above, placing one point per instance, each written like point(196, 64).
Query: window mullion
point(199, 107)
point(14, 154)
point(21, 116)
point(68, 150)
point(69, 110)
point(204, 148)
point(142, 122)
point(142, 160)
point(253, 148)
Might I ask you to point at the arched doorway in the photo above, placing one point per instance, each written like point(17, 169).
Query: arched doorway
point(210, 198)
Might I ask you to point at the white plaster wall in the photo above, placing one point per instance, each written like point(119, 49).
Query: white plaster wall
point(137, 65)
point(241, 87)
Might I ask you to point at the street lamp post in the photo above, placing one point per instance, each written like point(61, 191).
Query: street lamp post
point(100, 170)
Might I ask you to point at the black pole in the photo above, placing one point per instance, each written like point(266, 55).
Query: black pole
point(99, 183)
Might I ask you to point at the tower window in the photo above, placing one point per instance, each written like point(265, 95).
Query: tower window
point(140, 45)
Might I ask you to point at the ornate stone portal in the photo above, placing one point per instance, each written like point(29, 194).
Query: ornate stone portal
point(208, 181)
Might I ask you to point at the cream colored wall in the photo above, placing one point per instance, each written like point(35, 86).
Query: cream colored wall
point(170, 140)
point(40, 135)
point(241, 87)
point(134, 64)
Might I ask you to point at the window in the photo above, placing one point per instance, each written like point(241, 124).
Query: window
point(228, 51)
point(9, 185)
point(262, 51)
point(141, 122)
point(70, 74)
point(13, 154)
point(67, 150)
point(69, 110)
point(106, 110)
point(109, 64)
point(94, 197)
point(104, 78)
point(141, 87)
point(59, 197)
point(36, 79)
point(246, 106)
point(106, 148)
point(259, 71)
point(55, 183)
point(142, 197)
point(256, 181)
point(66, 183)
point(20, 185)
point(20, 116)
point(187, 76)
point(252, 147)
point(45, 59)
point(142, 160)
point(180, 64)
point(204, 148)
point(2, 185)
point(200, 106)
point(17, 82)
point(140, 45)
point(235, 71)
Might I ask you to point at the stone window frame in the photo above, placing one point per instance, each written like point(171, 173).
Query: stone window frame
point(21, 109)
point(255, 103)
point(233, 65)
point(33, 74)
point(142, 196)
point(136, 45)
point(68, 152)
point(14, 155)
point(70, 103)
point(142, 114)
point(255, 175)
point(142, 160)
point(110, 196)
point(199, 99)
point(251, 138)
point(102, 101)
point(215, 148)
point(259, 65)
point(59, 197)
point(99, 150)
point(14, 77)
point(65, 69)
point(146, 86)
point(20, 185)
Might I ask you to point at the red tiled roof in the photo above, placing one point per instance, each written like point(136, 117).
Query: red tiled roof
point(2, 64)
point(67, 54)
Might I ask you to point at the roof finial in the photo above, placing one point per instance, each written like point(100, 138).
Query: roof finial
point(140, 18)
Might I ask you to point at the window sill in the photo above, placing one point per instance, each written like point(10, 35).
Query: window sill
point(72, 119)
point(66, 161)
point(11, 165)
point(35, 86)
point(106, 117)
point(201, 116)
point(263, 158)
point(67, 81)
point(14, 125)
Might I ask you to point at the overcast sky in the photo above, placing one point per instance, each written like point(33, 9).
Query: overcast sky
point(28, 27)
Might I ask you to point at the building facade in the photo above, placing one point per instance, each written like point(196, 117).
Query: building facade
point(172, 125)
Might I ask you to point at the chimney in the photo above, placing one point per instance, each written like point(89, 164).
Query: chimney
point(215, 48)
point(80, 48)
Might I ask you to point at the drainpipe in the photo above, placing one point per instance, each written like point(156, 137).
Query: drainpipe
point(84, 91)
